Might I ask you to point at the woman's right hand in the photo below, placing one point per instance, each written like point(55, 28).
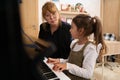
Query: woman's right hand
point(53, 60)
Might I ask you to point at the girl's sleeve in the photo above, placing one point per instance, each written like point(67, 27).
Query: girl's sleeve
point(86, 71)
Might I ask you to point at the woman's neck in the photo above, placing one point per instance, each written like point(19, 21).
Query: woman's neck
point(53, 28)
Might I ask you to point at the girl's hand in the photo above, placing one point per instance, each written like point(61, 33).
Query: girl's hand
point(53, 60)
point(60, 66)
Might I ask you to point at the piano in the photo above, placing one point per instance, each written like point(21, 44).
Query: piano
point(45, 70)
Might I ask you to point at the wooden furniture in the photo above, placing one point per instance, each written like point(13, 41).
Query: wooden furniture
point(109, 70)
point(67, 16)
point(113, 48)
point(29, 22)
point(29, 18)
point(110, 16)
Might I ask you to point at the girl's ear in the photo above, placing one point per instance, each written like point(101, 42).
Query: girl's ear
point(81, 31)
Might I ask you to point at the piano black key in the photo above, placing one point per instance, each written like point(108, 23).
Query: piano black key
point(51, 75)
point(57, 79)
point(44, 67)
point(46, 71)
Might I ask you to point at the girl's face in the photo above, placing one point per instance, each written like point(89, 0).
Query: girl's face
point(74, 31)
point(52, 18)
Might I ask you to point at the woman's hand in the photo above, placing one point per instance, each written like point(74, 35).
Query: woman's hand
point(53, 60)
point(60, 66)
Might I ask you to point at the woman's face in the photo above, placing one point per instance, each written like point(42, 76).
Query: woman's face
point(74, 31)
point(52, 18)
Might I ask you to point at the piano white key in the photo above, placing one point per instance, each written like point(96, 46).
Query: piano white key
point(60, 74)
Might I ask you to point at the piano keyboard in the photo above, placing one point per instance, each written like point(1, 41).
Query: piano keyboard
point(46, 72)
point(49, 74)
point(60, 75)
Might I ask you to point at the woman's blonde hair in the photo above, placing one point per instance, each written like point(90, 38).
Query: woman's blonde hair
point(49, 6)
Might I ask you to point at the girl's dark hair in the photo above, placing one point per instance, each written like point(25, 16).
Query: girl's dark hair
point(91, 25)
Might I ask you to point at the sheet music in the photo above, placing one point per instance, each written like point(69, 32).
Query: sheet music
point(60, 75)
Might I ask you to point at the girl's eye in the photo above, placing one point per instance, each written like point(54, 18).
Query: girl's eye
point(47, 14)
point(71, 26)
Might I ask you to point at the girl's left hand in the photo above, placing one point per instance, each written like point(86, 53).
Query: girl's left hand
point(60, 66)
point(53, 60)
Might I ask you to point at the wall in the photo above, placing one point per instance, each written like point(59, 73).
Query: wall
point(40, 4)
point(91, 6)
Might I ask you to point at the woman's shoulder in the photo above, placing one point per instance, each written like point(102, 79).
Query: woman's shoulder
point(44, 26)
point(65, 25)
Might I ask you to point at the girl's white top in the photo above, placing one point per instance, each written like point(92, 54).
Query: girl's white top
point(90, 56)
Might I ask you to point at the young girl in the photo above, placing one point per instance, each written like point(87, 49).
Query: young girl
point(84, 53)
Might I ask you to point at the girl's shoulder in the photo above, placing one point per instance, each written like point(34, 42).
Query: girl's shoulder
point(73, 42)
point(92, 46)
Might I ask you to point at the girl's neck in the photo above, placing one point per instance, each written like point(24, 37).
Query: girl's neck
point(83, 40)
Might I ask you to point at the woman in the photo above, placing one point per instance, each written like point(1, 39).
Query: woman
point(56, 31)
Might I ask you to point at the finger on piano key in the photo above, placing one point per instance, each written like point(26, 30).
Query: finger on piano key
point(52, 60)
point(60, 74)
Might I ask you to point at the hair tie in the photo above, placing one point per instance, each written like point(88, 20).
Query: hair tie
point(94, 20)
